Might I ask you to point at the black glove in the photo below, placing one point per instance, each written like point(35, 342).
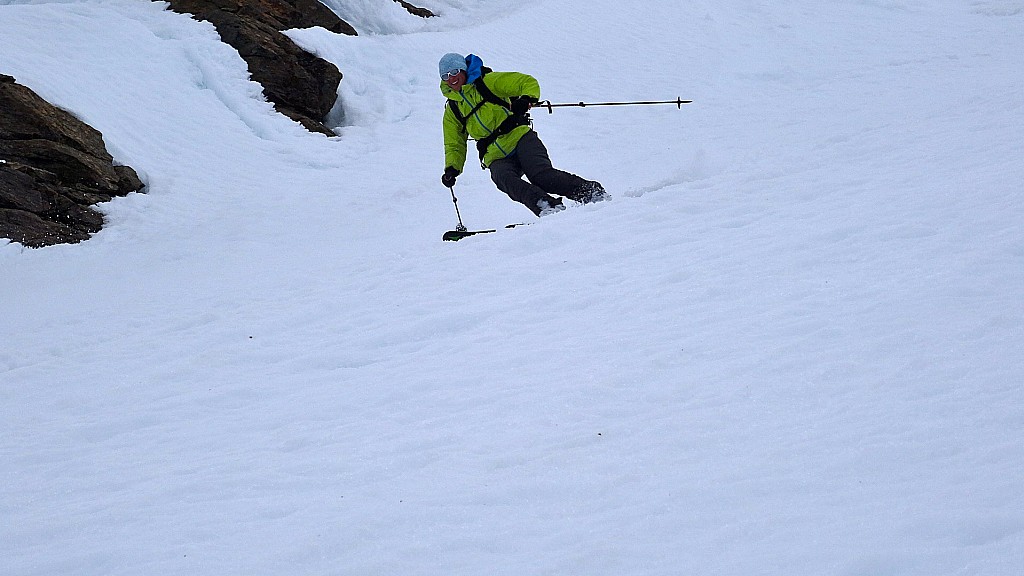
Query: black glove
point(449, 177)
point(521, 104)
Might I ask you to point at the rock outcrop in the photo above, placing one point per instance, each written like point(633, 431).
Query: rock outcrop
point(416, 10)
point(53, 167)
point(299, 84)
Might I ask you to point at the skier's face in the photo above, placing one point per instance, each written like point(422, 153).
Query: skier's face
point(456, 81)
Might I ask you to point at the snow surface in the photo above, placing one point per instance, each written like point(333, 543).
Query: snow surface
point(791, 344)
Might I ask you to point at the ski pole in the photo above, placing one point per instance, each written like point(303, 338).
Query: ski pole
point(547, 104)
point(460, 227)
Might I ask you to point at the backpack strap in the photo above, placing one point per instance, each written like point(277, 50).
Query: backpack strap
point(454, 107)
point(485, 91)
point(509, 124)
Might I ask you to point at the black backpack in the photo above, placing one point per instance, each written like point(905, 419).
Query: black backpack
point(509, 124)
point(485, 92)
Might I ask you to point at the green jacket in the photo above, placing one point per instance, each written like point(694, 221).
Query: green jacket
point(486, 119)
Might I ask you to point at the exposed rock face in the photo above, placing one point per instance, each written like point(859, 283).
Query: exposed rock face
point(421, 12)
point(300, 85)
point(52, 168)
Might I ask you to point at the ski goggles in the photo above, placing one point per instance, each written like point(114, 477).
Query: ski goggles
point(450, 74)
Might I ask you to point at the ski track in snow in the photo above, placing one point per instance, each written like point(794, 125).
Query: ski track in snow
point(789, 344)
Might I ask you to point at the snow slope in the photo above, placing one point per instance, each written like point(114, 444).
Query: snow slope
point(791, 344)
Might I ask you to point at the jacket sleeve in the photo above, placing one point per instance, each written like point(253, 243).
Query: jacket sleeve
point(512, 84)
point(454, 140)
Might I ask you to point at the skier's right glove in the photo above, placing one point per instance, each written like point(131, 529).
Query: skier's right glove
point(450, 174)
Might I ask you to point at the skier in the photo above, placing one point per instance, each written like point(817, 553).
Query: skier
point(493, 109)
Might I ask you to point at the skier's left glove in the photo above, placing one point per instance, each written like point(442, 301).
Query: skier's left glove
point(448, 179)
point(521, 104)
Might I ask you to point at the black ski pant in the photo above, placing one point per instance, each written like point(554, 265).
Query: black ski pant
point(531, 158)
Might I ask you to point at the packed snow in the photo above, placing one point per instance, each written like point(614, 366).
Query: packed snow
point(790, 344)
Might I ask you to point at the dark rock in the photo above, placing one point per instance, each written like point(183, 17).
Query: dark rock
point(278, 14)
point(28, 117)
point(19, 192)
point(73, 168)
point(33, 231)
point(299, 84)
point(53, 167)
point(415, 10)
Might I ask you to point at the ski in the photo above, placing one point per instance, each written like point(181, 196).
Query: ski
point(456, 235)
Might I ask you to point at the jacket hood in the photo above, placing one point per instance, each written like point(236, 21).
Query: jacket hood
point(474, 66)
